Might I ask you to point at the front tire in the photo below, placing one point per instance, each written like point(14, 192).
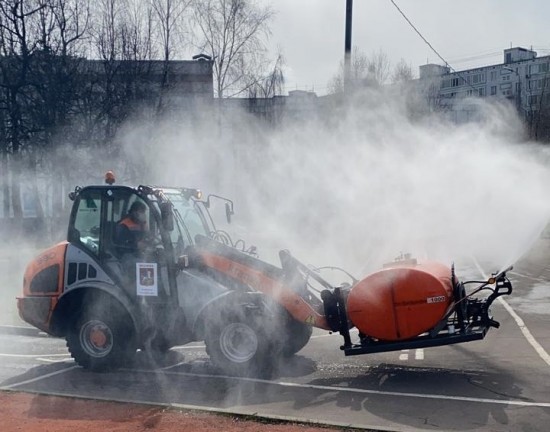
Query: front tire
point(240, 345)
point(297, 335)
point(101, 339)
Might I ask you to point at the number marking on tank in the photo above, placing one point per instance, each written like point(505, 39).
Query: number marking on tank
point(438, 299)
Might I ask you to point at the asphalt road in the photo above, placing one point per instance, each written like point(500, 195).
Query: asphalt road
point(498, 384)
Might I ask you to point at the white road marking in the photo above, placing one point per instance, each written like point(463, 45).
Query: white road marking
point(418, 354)
point(47, 360)
point(353, 389)
point(36, 356)
point(529, 277)
point(41, 377)
point(538, 347)
point(526, 333)
point(173, 366)
point(188, 347)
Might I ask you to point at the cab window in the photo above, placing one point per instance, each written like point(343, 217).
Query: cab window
point(87, 221)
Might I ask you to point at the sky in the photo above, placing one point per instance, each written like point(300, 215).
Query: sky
point(310, 33)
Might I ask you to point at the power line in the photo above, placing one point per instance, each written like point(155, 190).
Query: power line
point(418, 32)
point(430, 45)
point(476, 57)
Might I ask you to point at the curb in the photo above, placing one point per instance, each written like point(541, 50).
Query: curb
point(20, 330)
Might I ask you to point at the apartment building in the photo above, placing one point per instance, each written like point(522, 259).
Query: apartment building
point(523, 78)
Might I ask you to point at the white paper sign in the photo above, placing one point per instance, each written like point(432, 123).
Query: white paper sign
point(146, 279)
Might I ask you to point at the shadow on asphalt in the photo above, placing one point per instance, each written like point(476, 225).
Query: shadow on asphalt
point(440, 412)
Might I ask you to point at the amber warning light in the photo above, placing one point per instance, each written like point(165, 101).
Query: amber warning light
point(109, 177)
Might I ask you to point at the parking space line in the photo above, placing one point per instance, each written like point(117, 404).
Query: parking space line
point(188, 347)
point(538, 279)
point(38, 378)
point(47, 360)
point(173, 366)
point(35, 356)
point(352, 389)
point(526, 333)
point(538, 347)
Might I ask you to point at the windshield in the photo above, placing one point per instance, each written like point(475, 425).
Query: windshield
point(189, 222)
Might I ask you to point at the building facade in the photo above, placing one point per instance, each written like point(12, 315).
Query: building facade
point(523, 78)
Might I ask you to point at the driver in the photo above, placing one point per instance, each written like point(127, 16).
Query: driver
point(130, 231)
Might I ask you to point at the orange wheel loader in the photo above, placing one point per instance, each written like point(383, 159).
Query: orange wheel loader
point(189, 282)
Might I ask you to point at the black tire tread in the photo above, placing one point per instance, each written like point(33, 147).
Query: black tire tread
point(119, 322)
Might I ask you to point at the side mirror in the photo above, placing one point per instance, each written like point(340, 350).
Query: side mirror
point(228, 212)
point(167, 216)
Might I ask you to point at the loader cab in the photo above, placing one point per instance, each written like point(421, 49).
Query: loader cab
point(96, 213)
point(174, 217)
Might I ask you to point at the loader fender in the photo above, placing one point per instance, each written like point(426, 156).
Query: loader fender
point(73, 302)
point(232, 301)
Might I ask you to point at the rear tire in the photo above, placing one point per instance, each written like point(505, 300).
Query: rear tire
point(101, 339)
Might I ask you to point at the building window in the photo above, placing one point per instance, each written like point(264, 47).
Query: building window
point(533, 100)
point(543, 68)
point(454, 82)
point(508, 58)
point(493, 75)
point(481, 92)
point(493, 90)
point(536, 84)
point(478, 78)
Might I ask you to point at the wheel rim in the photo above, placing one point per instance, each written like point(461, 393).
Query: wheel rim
point(238, 342)
point(96, 338)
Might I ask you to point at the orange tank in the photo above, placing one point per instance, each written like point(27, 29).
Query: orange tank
point(401, 301)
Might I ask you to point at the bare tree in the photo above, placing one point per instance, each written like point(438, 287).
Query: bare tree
point(378, 67)
point(136, 32)
point(106, 94)
point(271, 84)
point(365, 71)
point(170, 18)
point(402, 72)
point(57, 87)
point(17, 46)
point(107, 28)
point(233, 32)
point(358, 72)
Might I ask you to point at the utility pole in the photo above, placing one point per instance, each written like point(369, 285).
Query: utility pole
point(347, 47)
